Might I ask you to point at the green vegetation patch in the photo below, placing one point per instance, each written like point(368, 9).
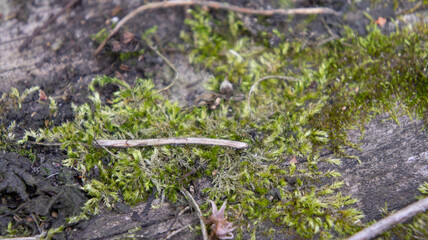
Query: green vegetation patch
point(341, 85)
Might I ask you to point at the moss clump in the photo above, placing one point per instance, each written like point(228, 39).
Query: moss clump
point(294, 121)
point(374, 74)
point(248, 178)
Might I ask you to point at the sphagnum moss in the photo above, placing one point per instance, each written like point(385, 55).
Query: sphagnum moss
point(340, 87)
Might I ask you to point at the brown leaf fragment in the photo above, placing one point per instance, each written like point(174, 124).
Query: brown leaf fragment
point(42, 95)
point(293, 160)
point(127, 37)
point(381, 21)
point(124, 67)
point(116, 10)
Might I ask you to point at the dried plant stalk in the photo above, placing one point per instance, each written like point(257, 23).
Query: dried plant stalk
point(253, 88)
point(393, 219)
point(172, 141)
point(195, 206)
point(213, 5)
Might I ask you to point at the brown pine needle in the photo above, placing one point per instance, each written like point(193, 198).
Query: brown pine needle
point(213, 5)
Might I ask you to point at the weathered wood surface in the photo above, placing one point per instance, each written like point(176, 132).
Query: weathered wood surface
point(394, 162)
point(51, 55)
point(140, 222)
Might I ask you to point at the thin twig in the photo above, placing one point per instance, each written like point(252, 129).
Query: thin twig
point(332, 37)
point(327, 28)
point(169, 64)
point(37, 223)
point(177, 231)
point(411, 10)
point(172, 141)
point(193, 203)
point(213, 5)
point(52, 175)
point(388, 222)
point(23, 238)
point(107, 150)
point(175, 220)
point(50, 21)
point(178, 216)
point(252, 89)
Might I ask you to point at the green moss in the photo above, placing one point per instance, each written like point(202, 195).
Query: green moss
point(100, 36)
point(342, 85)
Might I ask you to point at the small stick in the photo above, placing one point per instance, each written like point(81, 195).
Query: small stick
point(213, 5)
point(178, 216)
point(264, 78)
point(193, 203)
point(37, 223)
point(177, 231)
point(172, 141)
point(169, 64)
point(95, 140)
point(388, 222)
point(51, 20)
point(23, 238)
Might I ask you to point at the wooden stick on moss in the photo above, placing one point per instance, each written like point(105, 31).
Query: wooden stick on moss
point(172, 141)
point(213, 5)
point(253, 88)
point(393, 219)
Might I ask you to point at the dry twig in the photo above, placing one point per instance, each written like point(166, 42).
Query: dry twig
point(176, 219)
point(177, 231)
point(264, 78)
point(50, 21)
point(193, 203)
point(23, 238)
point(388, 222)
point(95, 140)
point(169, 64)
point(213, 5)
point(172, 141)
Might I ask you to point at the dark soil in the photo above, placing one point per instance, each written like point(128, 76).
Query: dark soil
point(39, 194)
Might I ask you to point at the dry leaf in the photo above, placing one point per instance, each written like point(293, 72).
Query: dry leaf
point(127, 37)
point(116, 10)
point(293, 160)
point(380, 21)
point(42, 95)
point(124, 67)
